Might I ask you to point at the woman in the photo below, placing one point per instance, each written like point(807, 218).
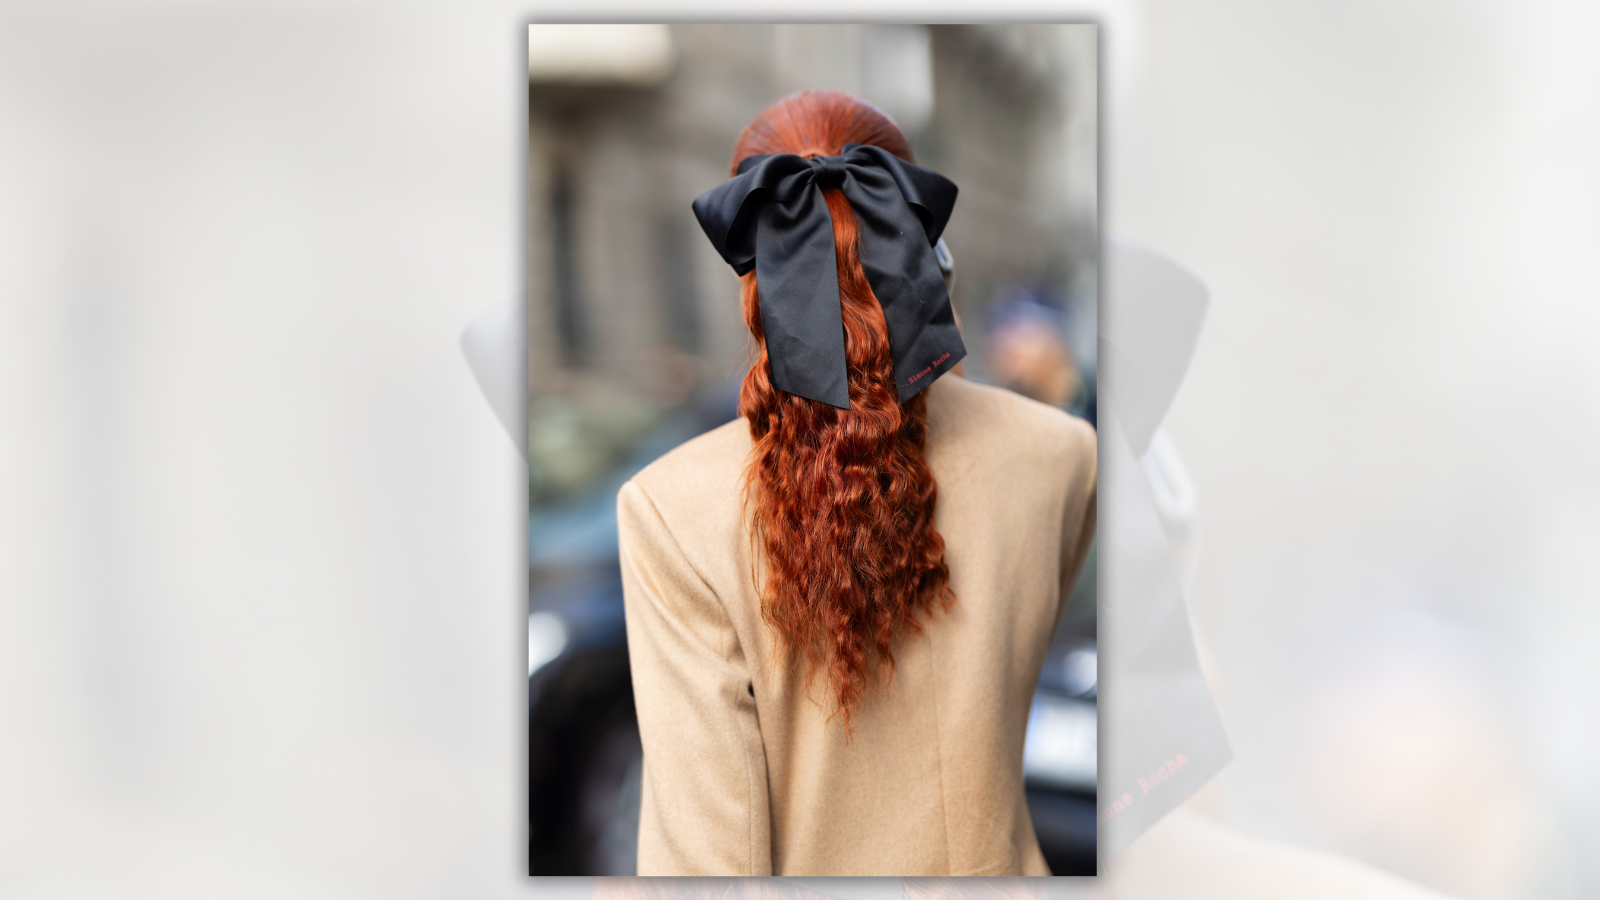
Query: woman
point(838, 604)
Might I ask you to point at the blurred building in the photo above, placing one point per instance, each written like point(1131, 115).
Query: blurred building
point(627, 124)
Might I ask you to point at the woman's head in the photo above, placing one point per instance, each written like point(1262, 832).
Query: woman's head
point(819, 123)
point(844, 498)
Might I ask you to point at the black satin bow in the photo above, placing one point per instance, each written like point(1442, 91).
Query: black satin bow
point(771, 216)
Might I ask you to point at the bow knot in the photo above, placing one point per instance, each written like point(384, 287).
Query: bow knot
point(828, 171)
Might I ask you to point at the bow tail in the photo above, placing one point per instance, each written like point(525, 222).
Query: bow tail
point(900, 265)
point(800, 315)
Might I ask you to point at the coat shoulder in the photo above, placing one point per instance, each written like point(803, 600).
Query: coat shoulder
point(1004, 426)
point(698, 476)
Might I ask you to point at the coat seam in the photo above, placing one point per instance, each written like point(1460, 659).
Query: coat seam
point(938, 746)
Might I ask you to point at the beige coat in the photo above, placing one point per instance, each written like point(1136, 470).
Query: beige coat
point(744, 774)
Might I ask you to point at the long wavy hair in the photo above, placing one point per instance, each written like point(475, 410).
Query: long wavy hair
point(844, 499)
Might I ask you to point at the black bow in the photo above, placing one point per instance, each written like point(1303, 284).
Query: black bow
point(771, 216)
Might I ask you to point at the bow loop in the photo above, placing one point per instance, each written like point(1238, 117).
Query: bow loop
point(771, 217)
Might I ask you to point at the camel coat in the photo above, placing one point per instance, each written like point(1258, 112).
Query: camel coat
point(744, 774)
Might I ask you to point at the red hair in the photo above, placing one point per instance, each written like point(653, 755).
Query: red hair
point(844, 499)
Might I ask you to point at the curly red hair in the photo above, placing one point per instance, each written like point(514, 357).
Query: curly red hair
point(844, 499)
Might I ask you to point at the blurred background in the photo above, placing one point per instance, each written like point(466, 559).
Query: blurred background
point(1390, 418)
point(263, 568)
point(636, 342)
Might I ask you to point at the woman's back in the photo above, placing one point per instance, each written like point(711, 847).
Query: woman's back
point(747, 769)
